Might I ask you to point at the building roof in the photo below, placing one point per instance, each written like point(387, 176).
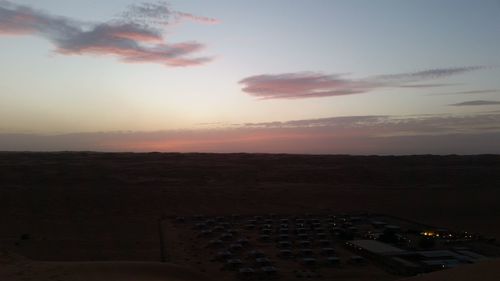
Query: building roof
point(438, 254)
point(472, 255)
point(405, 262)
point(485, 271)
point(376, 247)
point(446, 263)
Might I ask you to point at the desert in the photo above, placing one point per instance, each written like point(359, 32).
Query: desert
point(106, 207)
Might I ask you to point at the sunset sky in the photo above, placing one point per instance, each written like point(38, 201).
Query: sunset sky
point(343, 77)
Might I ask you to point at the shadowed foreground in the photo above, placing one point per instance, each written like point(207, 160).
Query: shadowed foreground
point(102, 206)
point(18, 268)
point(484, 271)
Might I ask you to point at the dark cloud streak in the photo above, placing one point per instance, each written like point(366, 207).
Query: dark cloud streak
point(428, 74)
point(160, 14)
point(436, 85)
point(476, 92)
point(476, 103)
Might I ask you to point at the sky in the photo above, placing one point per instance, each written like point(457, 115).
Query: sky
point(314, 77)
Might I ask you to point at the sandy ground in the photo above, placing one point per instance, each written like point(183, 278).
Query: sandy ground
point(21, 269)
point(105, 207)
point(16, 268)
point(120, 223)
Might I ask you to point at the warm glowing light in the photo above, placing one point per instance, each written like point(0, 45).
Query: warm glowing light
point(430, 234)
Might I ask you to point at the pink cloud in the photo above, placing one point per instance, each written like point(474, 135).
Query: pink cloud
point(130, 31)
point(171, 55)
point(139, 37)
point(200, 19)
point(313, 84)
point(302, 85)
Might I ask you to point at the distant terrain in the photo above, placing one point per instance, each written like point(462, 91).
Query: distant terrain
point(105, 206)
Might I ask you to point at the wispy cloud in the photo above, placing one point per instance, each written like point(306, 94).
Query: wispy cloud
point(476, 92)
point(428, 74)
point(434, 85)
point(137, 36)
point(387, 125)
point(440, 134)
point(476, 103)
point(313, 84)
point(347, 121)
point(160, 13)
point(303, 85)
point(200, 19)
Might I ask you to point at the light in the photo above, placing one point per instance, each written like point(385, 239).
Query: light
point(429, 233)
